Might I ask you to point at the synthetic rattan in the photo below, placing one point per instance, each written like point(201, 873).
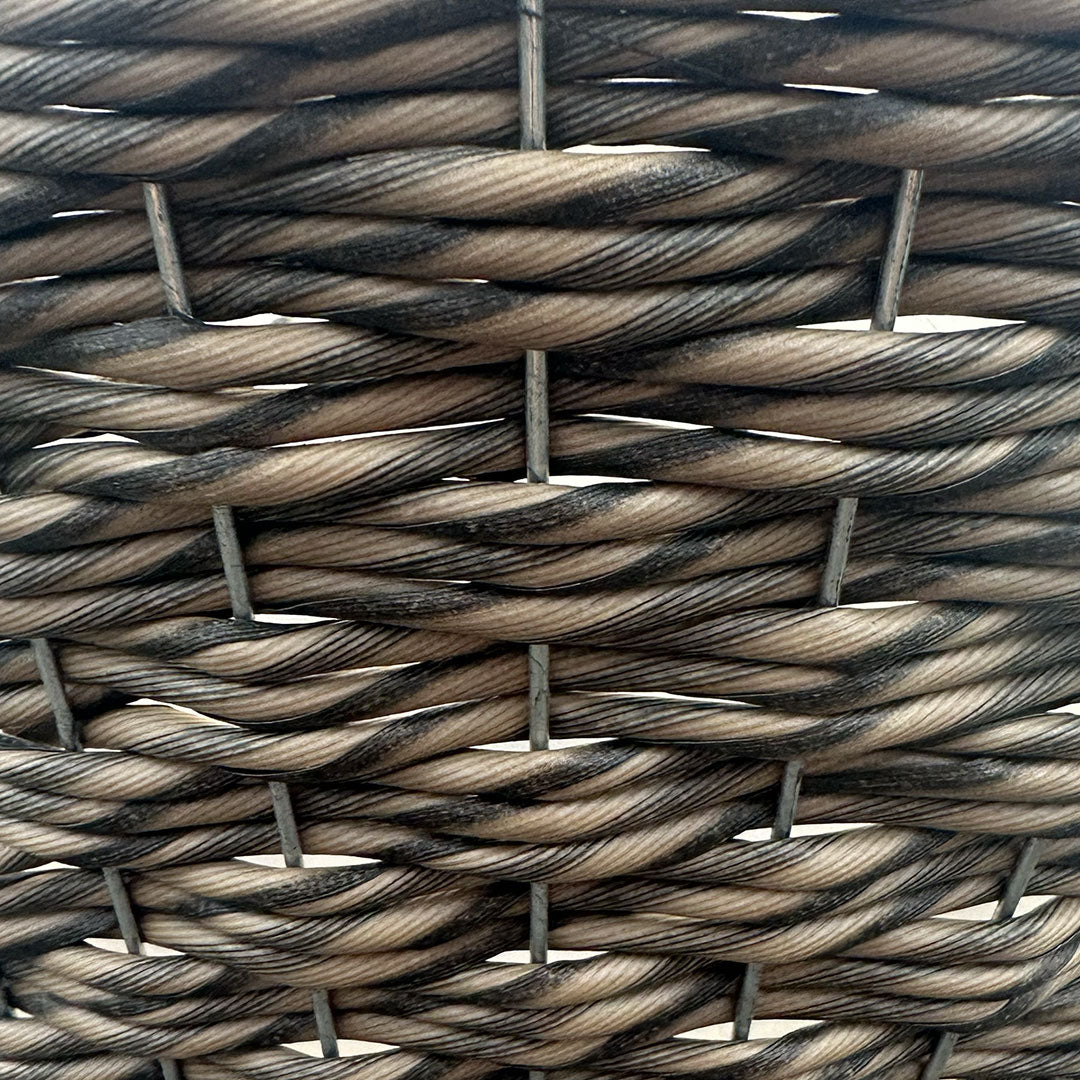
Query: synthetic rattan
point(382, 480)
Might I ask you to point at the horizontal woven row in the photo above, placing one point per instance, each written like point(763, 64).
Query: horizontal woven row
point(878, 129)
point(334, 25)
point(268, 276)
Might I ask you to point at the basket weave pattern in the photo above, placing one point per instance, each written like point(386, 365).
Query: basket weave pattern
point(381, 480)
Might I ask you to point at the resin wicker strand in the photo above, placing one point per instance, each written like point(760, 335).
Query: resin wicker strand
point(540, 444)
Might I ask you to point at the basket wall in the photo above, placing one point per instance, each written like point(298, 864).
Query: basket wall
point(465, 613)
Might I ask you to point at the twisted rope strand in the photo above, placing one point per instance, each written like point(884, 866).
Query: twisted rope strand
point(732, 51)
point(338, 441)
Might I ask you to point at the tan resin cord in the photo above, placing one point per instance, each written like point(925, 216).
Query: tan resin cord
point(798, 604)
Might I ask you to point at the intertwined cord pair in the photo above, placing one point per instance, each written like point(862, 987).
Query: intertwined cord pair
point(419, 443)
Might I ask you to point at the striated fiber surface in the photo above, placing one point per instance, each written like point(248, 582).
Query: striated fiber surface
point(734, 744)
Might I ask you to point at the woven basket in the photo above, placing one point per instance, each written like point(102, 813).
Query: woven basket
point(465, 615)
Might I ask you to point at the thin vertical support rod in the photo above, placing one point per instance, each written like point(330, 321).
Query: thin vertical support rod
point(1019, 879)
point(171, 269)
point(232, 559)
point(531, 75)
point(52, 681)
point(537, 428)
point(166, 250)
point(289, 837)
point(943, 1048)
point(533, 113)
point(783, 820)
point(178, 303)
point(886, 305)
point(1011, 895)
point(68, 735)
point(897, 250)
point(539, 714)
point(894, 265)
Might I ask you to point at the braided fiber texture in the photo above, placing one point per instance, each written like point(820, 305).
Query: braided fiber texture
point(275, 282)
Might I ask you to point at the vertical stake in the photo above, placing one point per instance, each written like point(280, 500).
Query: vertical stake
point(178, 303)
point(533, 113)
point(68, 735)
point(886, 305)
point(1011, 895)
